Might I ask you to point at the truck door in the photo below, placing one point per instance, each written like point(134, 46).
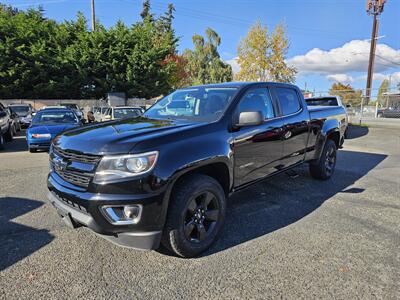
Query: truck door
point(257, 149)
point(295, 119)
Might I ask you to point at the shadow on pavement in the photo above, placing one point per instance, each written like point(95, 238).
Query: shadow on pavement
point(356, 131)
point(18, 241)
point(281, 200)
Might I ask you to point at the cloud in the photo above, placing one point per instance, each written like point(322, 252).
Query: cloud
point(351, 57)
point(342, 78)
point(234, 64)
point(394, 77)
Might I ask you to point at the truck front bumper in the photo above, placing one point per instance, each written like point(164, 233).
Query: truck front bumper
point(73, 218)
point(83, 209)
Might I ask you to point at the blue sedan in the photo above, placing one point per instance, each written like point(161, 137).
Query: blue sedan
point(46, 124)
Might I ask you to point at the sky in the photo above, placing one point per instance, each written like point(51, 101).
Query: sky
point(329, 39)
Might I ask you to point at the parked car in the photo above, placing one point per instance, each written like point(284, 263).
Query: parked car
point(46, 124)
point(99, 113)
point(121, 112)
point(75, 108)
point(391, 112)
point(6, 129)
point(25, 113)
point(166, 177)
point(14, 119)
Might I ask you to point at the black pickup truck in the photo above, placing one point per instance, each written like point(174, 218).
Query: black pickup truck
point(166, 176)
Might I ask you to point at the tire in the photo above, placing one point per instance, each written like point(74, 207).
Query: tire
point(9, 136)
point(1, 142)
point(195, 216)
point(324, 168)
point(31, 150)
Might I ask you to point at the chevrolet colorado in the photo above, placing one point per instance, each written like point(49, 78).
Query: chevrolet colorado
point(166, 176)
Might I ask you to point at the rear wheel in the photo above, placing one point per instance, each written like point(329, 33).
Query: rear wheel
point(324, 168)
point(195, 216)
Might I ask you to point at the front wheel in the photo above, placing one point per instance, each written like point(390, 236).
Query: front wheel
point(324, 168)
point(195, 217)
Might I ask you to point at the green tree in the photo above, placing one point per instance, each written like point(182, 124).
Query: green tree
point(261, 56)
point(146, 14)
point(347, 93)
point(384, 88)
point(40, 58)
point(204, 64)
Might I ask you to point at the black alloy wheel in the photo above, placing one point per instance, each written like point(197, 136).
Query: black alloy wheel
point(195, 216)
point(201, 216)
point(324, 167)
point(330, 161)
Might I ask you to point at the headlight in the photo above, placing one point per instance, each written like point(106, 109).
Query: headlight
point(41, 135)
point(114, 168)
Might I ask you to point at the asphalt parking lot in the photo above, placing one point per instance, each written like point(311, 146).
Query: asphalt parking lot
point(284, 238)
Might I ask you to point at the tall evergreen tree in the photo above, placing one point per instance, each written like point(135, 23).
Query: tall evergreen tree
point(204, 64)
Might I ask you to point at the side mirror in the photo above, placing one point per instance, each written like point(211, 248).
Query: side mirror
point(250, 118)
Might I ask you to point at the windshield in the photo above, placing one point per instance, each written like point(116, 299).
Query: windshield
point(20, 110)
point(58, 117)
point(121, 113)
point(201, 104)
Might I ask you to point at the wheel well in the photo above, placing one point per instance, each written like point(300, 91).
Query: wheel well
point(218, 171)
point(335, 136)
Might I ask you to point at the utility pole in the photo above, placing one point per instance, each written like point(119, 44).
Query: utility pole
point(375, 8)
point(93, 17)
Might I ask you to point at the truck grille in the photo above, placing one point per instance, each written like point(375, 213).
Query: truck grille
point(77, 178)
point(74, 156)
point(60, 160)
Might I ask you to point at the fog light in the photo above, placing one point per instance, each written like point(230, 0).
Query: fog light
point(122, 214)
point(131, 212)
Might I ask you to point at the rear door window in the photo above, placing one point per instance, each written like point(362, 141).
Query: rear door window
point(288, 100)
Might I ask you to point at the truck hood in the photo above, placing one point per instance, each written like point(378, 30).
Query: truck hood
point(117, 137)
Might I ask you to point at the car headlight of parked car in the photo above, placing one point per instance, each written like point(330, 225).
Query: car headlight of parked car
point(41, 135)
point(118, 167)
